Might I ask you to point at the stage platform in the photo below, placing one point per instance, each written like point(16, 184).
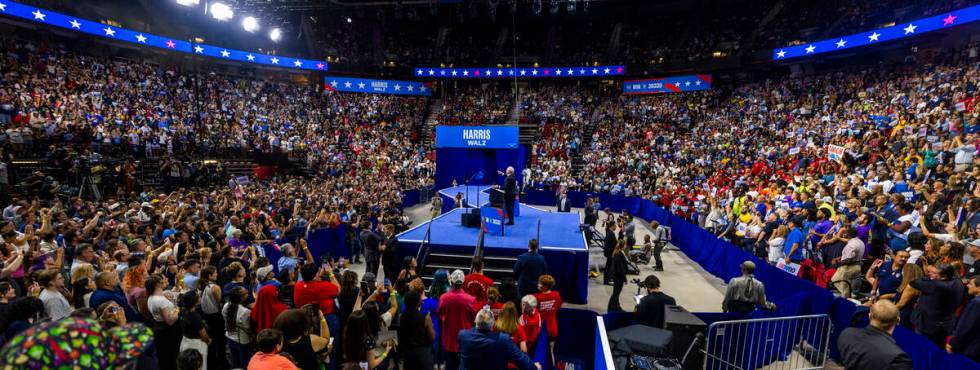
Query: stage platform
point(562, 243)
point(471, 195)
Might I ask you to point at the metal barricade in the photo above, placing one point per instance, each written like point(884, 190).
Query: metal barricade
point(790, 343)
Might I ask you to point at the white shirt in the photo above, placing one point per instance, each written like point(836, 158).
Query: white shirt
point(55, 304)
point(157, 304)
point(242, 326)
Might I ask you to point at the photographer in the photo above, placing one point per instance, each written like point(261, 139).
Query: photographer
point(650, 311)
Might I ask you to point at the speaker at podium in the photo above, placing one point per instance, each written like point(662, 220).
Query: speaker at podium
point(497, 198)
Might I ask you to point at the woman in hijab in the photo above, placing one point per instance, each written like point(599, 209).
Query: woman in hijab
point(267, 308)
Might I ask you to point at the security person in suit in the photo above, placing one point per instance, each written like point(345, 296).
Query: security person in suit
point(873, 347)
point(564, 205)
point(528, 268)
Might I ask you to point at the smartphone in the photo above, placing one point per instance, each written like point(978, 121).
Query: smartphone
point(387, 282)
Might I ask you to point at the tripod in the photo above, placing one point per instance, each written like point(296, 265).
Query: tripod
point(87, 184)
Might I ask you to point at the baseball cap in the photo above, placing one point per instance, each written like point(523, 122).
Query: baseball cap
point(169, 232)
point(146, 204)
point(457, 277)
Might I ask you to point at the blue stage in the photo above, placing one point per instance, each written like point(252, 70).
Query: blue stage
point(562, 243)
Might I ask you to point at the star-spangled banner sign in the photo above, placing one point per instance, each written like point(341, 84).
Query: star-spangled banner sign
point(520, 72)
point(50, 18)
point(898, 31)
point(666, 85)
point(371, 86)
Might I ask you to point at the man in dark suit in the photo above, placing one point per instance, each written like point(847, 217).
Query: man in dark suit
point(389, 254)
point(966, 336)
point(942, 292)
point(873, 347)
point(564, 205)
point(650, 311)
point(591, 213)
point(510, 194)
point(529, 267)
point(608, 245)
point(371, 241)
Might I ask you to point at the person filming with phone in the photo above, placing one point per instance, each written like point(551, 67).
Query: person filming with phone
point(319, 287)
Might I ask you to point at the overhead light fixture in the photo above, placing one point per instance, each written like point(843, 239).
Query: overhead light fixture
point(221, 11)
point(189, 2)
point(275, 34)
point(349, 20)
point(250, 24)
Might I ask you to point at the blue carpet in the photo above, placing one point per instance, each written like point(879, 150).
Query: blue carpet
point(559, 231)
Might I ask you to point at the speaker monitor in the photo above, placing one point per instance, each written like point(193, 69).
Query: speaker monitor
point(685, 327)
point(470, 218)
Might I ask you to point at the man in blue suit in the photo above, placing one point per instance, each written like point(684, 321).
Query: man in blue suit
point(529, 267)
point(481, 348)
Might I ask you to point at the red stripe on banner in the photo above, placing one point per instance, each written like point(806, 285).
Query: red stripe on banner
point(705, 78)
point(672, 87)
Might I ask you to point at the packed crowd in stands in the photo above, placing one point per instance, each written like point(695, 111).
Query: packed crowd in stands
point(488, 103)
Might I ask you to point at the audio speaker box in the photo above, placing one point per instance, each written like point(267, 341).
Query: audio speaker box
point(470, 218)
point(685, 327)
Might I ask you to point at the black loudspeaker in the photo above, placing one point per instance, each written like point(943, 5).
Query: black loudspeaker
point(685, 328)
point(471, 218)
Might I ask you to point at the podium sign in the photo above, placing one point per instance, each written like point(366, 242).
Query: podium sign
point(492, 220)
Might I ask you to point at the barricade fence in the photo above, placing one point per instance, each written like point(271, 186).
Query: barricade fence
point(781, 343)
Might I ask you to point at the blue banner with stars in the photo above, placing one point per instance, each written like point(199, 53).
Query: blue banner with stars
point(520, 72)
point(898, 31)
point(50, 18)
point(371, 86)
point(666, 85)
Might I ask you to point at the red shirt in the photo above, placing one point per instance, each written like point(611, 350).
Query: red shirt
point(321, 292)
point(531, 326)
point(456, 311)
point(478, 292)
point(548, 305)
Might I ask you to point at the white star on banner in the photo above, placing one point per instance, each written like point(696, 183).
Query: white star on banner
point(110, 32)
point(558, 71)
point(454, 72)
point(442, 72)
point(523, 72)
point(333, 83)
point(347, 84)
point(276, 61)
point(3, 7)
point(594, 71)
point(581, 71)
point(873, 37)
point(910, 29)
point(422, 89)
point(510, 72)
point(398, 87)
point(810, 49)
point(141, 38)
point(606, 71)
point(687, 83)
point(225, 53)
point(411, 88)
point(360, 85)
point(466, 72)
point(419, 72)
point(38, 15)
point(841, 43)
point(570, 71)
point(251, 58)
point(780, 54)
point(534, 72)
point(500, 72)
point(198, 49)
point(697, 83)
point(75, 24)
point(431, 72)
point(298, 63)
point(487, 73)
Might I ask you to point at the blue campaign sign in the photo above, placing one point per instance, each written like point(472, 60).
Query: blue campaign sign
point(492, 220)
point(371, 86)
point(520, 72)
point(898, 31)
point(665, 85)
point(50, 18)
point(490, 137)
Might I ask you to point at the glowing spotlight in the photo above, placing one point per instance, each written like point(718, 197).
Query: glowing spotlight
point(189, 2)
point(275, 35)
point(250, 24)
point(221, 11)
point(349, 20)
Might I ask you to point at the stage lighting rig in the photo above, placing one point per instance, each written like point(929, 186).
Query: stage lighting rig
point(221, 11)
point(250, 24)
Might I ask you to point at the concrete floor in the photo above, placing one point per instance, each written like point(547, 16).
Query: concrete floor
point(692, 287)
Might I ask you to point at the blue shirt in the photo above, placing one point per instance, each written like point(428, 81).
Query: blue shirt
point(100, 296)
point(795, 237)
point(287, 264)
point(888, 280)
